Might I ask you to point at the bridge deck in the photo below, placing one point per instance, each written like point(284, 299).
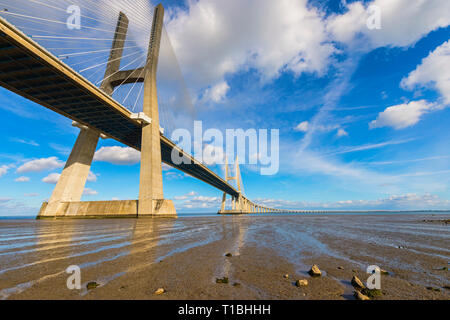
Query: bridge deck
point(29, 70)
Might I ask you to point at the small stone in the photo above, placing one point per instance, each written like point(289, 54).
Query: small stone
point(236, 284)
point(92, 285)
point(160, 291)
point(359, 296)
point(315, 271)
point(356, 283)
point(301, 283)
point(286, 276)
point(222, 280)
point(434, 289)
point(340, 268)
point(228, 255)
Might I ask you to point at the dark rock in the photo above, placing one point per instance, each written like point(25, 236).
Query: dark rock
point(315, 271)
point(222, 280)
point(371, 293)
point(228, 255)
point(92, 285)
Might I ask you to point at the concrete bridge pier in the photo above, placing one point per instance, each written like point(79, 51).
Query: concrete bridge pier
point(73, 178)
point(151, 198)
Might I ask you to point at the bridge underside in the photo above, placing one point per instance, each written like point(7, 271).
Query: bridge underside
point(32, 72)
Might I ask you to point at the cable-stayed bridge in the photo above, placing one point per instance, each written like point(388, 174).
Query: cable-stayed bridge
point(30, 70)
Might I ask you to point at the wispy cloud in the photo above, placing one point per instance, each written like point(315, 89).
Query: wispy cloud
point(369, 147)
point(28, 142)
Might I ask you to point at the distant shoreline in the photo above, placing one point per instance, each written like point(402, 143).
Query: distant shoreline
point(306, 212)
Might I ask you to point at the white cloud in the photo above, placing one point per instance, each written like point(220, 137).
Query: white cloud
point(302, 126)
point(217, 93)
point(433, 72)
point(40, 165)
point(89, 192)
point(342, 133)
point(403, 115)
point(118, 155)
point(92, 177)
point(3, 170)
point(52, 178)
point(403, 22)
point(214, 38)
point(22, 179)
point(202, 202)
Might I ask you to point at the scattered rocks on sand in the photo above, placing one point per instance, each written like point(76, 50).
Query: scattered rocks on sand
point(359, 296)
point(160, 291)
point(301, 283)
point(92, 285)
point(286, 276)
point(228, 255)
point(315, 271)
point(222, 280)
point(356, 283)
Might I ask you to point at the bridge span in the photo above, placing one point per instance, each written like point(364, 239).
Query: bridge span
point(31, 71)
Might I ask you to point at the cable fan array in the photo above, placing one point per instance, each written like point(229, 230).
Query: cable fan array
point(86, 47)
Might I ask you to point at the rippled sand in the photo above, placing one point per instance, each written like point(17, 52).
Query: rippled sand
point(130, 258)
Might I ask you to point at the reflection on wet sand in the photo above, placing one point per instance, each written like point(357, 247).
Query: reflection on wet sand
point(34, 255)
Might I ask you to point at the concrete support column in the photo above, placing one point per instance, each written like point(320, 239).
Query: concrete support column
point(151, 197)
point(71, 183)
point(224, 199)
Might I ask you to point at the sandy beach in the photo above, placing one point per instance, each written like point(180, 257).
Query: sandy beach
point(131, 259)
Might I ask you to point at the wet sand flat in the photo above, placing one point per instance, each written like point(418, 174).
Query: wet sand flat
point(131, 259)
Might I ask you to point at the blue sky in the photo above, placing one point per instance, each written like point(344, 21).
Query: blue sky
point(363, 113)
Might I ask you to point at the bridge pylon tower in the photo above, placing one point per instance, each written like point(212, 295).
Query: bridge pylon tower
point(66, 197)
point(237, 203)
